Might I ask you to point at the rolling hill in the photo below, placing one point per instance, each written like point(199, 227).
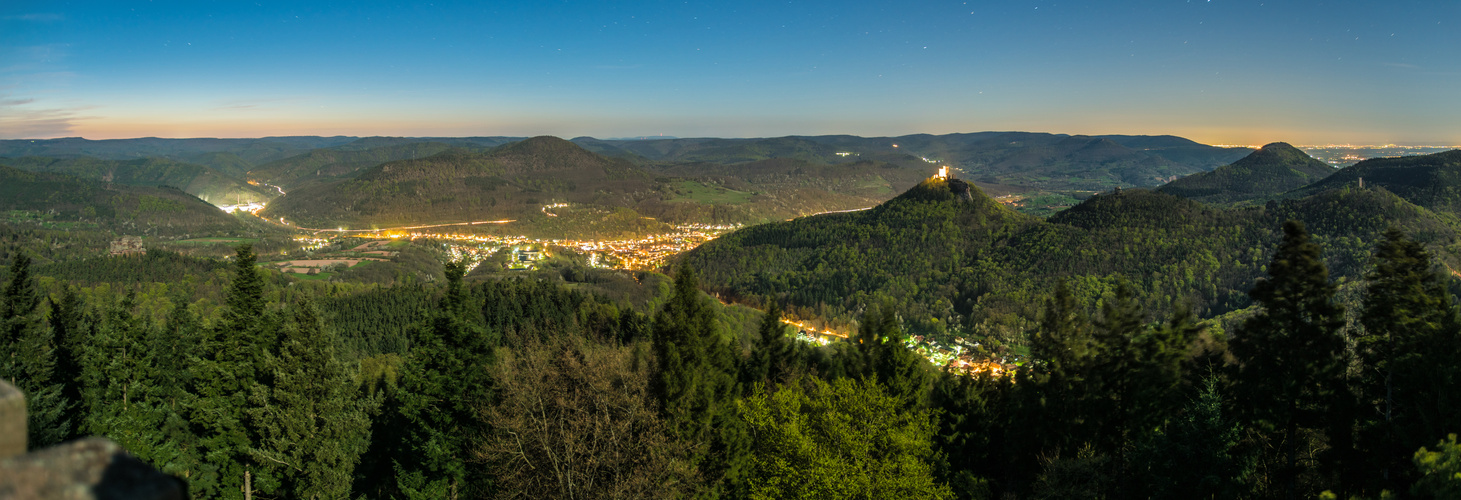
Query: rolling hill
point(1432, 181)
point(1032, 160)
point(346, 160)
point(516, 181)
point(47, 197)
point(331, 164)
point(456, 185)
point(1266, 173)
point(205, 183)
point(966, 264)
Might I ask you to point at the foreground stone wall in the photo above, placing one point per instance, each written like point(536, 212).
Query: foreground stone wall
point(90, 468)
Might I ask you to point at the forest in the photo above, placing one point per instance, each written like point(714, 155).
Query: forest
point(524, 388)
point(962, 265)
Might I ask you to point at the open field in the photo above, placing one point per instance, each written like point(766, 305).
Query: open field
point(697, 192)
point(216, 241)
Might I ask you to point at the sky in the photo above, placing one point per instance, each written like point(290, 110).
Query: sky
point(1215, 71)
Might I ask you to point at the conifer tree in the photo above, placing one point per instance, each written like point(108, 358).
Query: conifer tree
point(1113, 388)
point(117, 370)
point(1407, 315)
point(226, 372)
point(313, 426)
point(67, 332)
point(121, 392)
point(1197, 455)
point(903, 372)
point(173, 349)
point(28, 357)
point(684, 332)
point(696, 384)
point(773, 355)
point(973, 430)
point(1289, 354)
point(1162, 368)
point(1052, 383)
point(443, 385)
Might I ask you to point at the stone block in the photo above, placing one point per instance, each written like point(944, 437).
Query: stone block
point(86, 469)
point(12, 420)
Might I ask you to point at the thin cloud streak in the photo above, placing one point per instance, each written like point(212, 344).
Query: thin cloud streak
point(39, 17)
point(20, 123)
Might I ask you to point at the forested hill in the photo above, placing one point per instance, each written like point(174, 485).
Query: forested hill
point(87, 203)
point(1049, 161)
point(1268, 172)
point(210, 185)
point(462, 185)
point(966, 264)
point(330, 164)
point(343, 161)
point(1432, 181)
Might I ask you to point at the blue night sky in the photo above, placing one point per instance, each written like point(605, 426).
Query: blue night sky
point(1220, 71)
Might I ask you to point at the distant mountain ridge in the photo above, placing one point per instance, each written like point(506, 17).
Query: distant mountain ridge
point(1270, 171)
point(1034, 160)
point(1019, 158)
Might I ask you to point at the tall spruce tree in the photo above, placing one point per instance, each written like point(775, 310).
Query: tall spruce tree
point(121, 391)
point(904, 373)
point(773, 355)
point(68, 330)
point(314, 425)
point(1290, 354)
point(443, 387)
point(1052, 384)
point(1408, 313)
point(696, 385)
point(28, 357)
point(1115, 359)
point(974, 430)
point(227, 370)
point(172, 349)
point(1197, 454)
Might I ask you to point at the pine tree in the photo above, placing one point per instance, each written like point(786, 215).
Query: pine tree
point(1197, 455)
point(227, 371)
point(904, 373)
point(1290, 354)
point(696, 384)
point(773, 355)
point(1407, 313)
point(28, 357)
point(1053, 381)
point(444, 385)
point(314, 426)
point(1113, 395)
point(68, 331)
